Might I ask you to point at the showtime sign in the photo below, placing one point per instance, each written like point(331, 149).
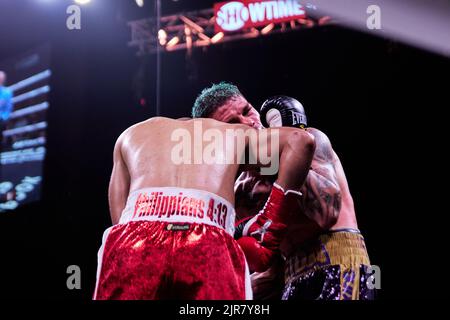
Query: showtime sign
point(236, 15)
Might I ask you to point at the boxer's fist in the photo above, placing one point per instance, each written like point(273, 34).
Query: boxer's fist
point(267, 232)
point(258, 257)
point(262, 234)
point(270, 225)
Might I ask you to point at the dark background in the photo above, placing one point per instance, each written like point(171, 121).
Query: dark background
point(379, 101)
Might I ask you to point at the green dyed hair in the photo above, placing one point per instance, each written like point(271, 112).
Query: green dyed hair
point(212, 98)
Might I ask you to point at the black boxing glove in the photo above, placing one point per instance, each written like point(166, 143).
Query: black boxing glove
point(283, 111)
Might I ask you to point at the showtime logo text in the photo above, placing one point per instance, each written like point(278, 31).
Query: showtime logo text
point(235, 15)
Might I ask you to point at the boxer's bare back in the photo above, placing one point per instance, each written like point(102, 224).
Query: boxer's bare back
point(143, 158)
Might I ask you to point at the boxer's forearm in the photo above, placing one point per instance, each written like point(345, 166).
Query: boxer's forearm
point(295, 160)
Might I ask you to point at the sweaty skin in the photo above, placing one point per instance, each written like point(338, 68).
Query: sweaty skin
point(326, 205)
point(143, 158)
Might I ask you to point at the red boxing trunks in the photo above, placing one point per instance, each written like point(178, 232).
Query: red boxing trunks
point(173, 243)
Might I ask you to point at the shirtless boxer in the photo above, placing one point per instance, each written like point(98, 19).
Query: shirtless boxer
point(173, 222)
point(326, 257)
point(325, 254)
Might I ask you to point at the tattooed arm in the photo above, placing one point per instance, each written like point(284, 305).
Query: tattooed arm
point(322, 194)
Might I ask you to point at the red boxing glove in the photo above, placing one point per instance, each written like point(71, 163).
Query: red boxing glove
point(270, 225)
point(259, 258)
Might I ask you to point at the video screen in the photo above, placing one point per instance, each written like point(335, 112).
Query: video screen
point(24, 101)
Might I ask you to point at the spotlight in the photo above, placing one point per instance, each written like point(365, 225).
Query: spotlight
point(172, 42)
point(162, 37)
point(324, 20)
point(267, 28)
point(187, 32)
point(307, 22)
point(82, 1)
point(140, 3)
point(217, 37)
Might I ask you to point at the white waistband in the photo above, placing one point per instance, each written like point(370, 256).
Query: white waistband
point(171, 204)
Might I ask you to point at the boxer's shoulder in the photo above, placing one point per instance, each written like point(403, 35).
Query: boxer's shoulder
point(152, 123)
point(324, 150)
point(319, 135)
point(134, 129)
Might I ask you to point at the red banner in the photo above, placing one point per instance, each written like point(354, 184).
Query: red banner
point(235, 15)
